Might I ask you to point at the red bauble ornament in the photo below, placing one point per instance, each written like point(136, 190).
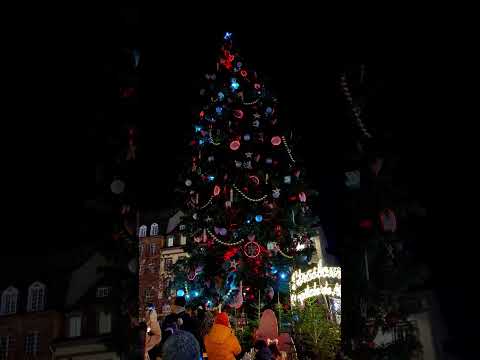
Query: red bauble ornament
point(235, 145)
point(202, 114)
point(243, 73)
point(238, 114)
point(276, 140)
point(257, 86)
point(254, 179)
point(216, 190)
point(251, 249)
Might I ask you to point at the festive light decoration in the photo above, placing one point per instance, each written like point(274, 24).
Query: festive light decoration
point(216, 190)
point(287, 179)
point(223, 242)
point(211, 177)
point(302, 197)
point(254, 179)
point(234, 84)
point(180, 292)
point(246, 137)
point(309, 292)
point(283, 275)
point(220, 96)
point(243, 73)
point(251, 249)
point(206, 204)
point(235, 145)
point(355, 110)
point(283, 254)
point(319, 272)
point(219, 109)
point(247, 197)
point(198, 128)
point(276, 193)
point(268, 160)
point(268, 110)
point(196, 293)
point(238, 114)
point(251, 102)
point(276, 140)
point(257, 86)
point(289, 152)
point(258, 218)
point(227, 35)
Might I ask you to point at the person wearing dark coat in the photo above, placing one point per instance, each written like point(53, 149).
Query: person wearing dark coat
point(263, 352)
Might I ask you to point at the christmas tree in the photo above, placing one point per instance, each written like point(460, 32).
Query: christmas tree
point(246, 211)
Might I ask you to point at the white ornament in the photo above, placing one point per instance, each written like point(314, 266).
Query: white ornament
point(211, 158)
point(256, 123)
point(195, 216)
point(238, 163)
point(188, 182)
point(276, 193)
point(287, 179)
point(256, 116)
point(248, 154)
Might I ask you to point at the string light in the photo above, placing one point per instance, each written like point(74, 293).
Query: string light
point(247, 197)
point(319, 272)
point(213, 142)
point(309, 292)
point(355, 110)
point(289, 152)
point(251, 103)
point(223, 242)
point(206, 204)
point(283, 254)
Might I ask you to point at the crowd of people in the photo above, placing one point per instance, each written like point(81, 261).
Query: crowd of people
point(196, 333)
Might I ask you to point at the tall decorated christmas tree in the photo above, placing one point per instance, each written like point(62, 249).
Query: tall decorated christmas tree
point(247, 218)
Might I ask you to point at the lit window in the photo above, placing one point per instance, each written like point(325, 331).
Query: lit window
point(104, 322)
point(153, 249)
point(154, 229)
point(36, 297)
point(32, 343)
point(170, 241)
point(148, 294)
point(74, 326)
point(9, 301)
point(103, 291)
point(142, 231)
point(183, 240)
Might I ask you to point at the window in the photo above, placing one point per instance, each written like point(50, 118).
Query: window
point(9, 301)
point(142, 231)
point(183, 240)
point(5, 346)
point(168, 264)
point(104, 322)
point(148, 293)
point(182, 227)
point(154, 229)
point(36, 297)
point(153, 249)
point(170, 241)
point(103, 291)
point(32, 343)
point(75, 326)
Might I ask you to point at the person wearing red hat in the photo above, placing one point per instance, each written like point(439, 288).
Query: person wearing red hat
point(221, 343)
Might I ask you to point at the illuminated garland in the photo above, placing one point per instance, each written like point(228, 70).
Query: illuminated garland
point(319, 272)
point(206, 204)
point(247, 197)
point(356, 112)
point(289, 152)
point(223, 242)
point(251, 103)
point(283, 254)
point(213, 142)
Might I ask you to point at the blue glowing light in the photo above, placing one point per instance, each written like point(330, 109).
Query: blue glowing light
point(201, 141)
point(273, 270)
point(196, 293)
point(187, 297)
point(234, 85)
point(211, 178)
point(228, 35)
point(248, 221)
point(283, 276)
point(197, 128)
point(180, 292)
point(209, 303)
point(218, 109)
point(220, 95)
point(258, 218)
point(268, 110)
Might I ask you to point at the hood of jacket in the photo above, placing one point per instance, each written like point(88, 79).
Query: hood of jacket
point(219, 333)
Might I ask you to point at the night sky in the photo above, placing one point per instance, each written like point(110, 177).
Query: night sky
point(60, 178)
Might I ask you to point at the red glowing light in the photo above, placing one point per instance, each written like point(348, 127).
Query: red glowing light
point(238, 114)
point(276, 140)
point(235, 145)
point(243, 73)
point(216, 190)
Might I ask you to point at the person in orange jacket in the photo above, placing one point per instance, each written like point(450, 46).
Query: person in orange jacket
point(221, 343)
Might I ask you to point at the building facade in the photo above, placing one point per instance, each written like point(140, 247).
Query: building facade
point(158, 254)
point(28, 321)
